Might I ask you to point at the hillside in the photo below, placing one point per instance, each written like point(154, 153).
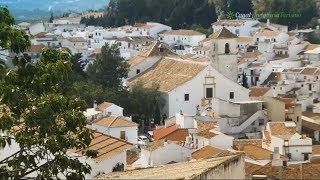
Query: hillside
point(30, 9)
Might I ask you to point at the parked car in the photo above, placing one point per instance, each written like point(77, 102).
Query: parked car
point(142, 140)
point(150, 135)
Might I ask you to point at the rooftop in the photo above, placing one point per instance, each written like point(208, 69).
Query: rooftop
point(309, 71)
point(256, 153)
point(36, 48)
point(223, 33)
point(114, 121)
point(76, 39)
point(183, 32)
point(303, 171)
point(281, 128)
point(107, 146)
point(267, 33)
point(258, 91)
point(185, 170)
point(172, 133)
point(170, 74)
point(104, 106)
point(245, 39)
point(206, 152)
point(206, 134)
point(229, 23)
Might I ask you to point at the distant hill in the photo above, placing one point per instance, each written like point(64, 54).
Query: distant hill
point(37, 9)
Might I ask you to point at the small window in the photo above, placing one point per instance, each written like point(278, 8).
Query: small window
point(186, 97)
point(280, 88)
point(209, 92)
point(305, 77)
point(310, 87)
point(138, 71)
point(231, 95)
point(109, 113)
point(123, 135)
point(301, 85)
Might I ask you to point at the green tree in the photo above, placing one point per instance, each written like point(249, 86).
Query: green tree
point(44, 122)
point(145, 103)
point(109, 69)
point(10, 38)
point(89, 91)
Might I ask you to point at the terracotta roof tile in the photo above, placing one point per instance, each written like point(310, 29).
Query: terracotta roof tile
point(309, 71)
point(206, 152)
point(256, 153)
point(289, 102)
point(238, 144)
point(310, 47)
point(250, 168)
point(267, 33)
point(245, 39)
point(183, 32)
point(308, 171)
point(76, 39)
point(161, 133)
point(104, 106)
point(114, 121)
point(280, 128)
point(254, 54)
point(258, 91)
point(316, 149)
point(107, 146)
point(206, 134)
point(172, 133)
point(169, 74)
point(223, 33)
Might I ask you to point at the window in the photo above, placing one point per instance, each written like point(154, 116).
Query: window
point(301, 85)
point(297, 118)
point(257, 39)
point(231, 95)
point(280, 88)
point(138, 71)
point(227, 48)
point(261, 122)
point(123, 135)
point(305, 77)
point(209, 92)
point(109, 113)
point(310, 87)
point(186, 97)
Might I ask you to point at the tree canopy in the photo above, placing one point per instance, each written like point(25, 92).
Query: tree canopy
point(109, 69)
point(44, 122)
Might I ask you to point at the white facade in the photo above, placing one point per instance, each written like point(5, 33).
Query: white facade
point(164, 155)
point(238, 27)
point(220, 140)
point(131, 133)
point(222, 88)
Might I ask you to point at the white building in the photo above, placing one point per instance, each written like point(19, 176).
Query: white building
point(282, 137)
point(177, 79)
point(102, 110)
point(239, 27)
point(147, 57)
point(162, 152)
point(111, 155)
point(182, 40)
point(117, 127)
point(228, 167)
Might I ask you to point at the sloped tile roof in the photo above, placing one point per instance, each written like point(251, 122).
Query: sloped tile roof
point(114, 121)
point(223, 33)
point(258, 91)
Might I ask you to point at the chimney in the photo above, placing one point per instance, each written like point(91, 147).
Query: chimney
point(165, 143)
point(276, 159)
point(268, 22)
point(317, 27)
point(95, 104)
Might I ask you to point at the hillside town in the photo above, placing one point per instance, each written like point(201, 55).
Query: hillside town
point(241, 103)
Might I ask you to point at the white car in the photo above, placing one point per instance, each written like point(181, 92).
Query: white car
point(150, 136)
point(142, 140)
